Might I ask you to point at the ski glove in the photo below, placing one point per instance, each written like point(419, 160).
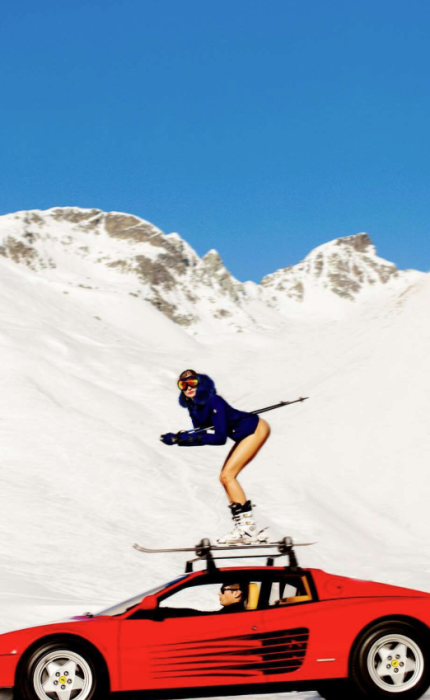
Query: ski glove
point(187, 440)
point(169, 438)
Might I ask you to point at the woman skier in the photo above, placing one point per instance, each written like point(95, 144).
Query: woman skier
point(247, 430)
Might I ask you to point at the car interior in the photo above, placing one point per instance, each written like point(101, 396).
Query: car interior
point(263, 592)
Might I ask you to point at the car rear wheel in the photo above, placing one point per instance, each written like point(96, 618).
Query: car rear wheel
point(391, 660)
point(61, 671)
point(337, 690)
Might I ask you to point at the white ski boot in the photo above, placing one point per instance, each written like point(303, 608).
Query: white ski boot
point(245, 529)
point(234, 536)
point(250, 534)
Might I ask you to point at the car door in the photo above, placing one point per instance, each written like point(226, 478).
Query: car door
point(190, 648)
point(287, 623)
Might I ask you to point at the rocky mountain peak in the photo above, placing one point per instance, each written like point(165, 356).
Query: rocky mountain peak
point(360, 242)
point(344, 266)
point(86, 244)
point(214, 273)
point(93, 249)
point(213, 261)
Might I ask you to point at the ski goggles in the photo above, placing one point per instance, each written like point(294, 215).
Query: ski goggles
point(189, 382)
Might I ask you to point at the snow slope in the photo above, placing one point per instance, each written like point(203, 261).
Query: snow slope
point(88, 384)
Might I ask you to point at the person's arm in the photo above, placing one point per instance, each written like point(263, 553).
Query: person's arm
point(219, 420)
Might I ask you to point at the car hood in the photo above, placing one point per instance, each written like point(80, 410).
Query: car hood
point(330, 587)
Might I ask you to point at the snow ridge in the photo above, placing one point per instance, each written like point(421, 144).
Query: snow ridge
point(122, 252)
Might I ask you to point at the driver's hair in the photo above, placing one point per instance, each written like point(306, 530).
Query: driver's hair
point(240, 587)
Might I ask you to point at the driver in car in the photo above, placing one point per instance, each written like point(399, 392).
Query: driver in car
point(232, 598)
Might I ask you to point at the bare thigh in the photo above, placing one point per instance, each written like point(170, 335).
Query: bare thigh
point(245, 450)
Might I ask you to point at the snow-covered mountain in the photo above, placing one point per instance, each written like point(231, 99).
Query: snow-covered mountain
point(88, 371)
point(348, 267)
point(92, 249)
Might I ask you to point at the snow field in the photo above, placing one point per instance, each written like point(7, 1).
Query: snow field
point(88, 385)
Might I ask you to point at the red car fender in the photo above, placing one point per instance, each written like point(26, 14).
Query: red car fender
point(100, 633)
point(337, 624)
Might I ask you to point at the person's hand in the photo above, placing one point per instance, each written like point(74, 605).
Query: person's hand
point(169, 439)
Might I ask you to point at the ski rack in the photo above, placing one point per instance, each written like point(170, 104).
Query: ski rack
point(204, 551)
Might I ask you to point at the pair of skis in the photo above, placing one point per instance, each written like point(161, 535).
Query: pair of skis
point(205, 547)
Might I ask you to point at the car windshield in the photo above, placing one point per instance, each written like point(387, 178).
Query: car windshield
point(121, 608)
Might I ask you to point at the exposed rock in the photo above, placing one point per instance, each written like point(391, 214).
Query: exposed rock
point(186, 256)
point(19, 252)
point(191, 297)
point(174, 262)
point(343, 285)
point(185, 319)
point(121, 265)
point(360, 242)
point(74, 216)
point(212, 272)
point(222, 313)
point(319, 264)
point(296, 291)
point(133, 229)
point(154, 273)
point(357, 273)
point(383, 271)
point(213, 263)
point(170, 310)
point(32, 217)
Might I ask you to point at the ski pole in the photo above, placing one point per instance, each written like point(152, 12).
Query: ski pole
point(260, 410)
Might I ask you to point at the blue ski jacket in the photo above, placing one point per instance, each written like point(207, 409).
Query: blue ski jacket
point(206, 409)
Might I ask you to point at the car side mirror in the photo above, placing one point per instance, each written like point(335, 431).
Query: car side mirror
point(150, 602)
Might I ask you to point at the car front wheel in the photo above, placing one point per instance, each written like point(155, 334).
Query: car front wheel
point(60, 671)
point(391, 660)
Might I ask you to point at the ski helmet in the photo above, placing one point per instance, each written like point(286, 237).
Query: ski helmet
point(187, 373)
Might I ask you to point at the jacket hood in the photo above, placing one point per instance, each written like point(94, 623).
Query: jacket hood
point(205, 389)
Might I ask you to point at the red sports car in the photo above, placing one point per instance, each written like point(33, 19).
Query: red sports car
point(299, 629)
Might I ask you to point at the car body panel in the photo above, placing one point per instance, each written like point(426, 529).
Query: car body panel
point(294, 643)
point(102, 633)
point(179, 653)
point(334, 625)
point(330, 586)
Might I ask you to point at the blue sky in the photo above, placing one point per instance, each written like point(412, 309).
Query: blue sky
point(262, 129)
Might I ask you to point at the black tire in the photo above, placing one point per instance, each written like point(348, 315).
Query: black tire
point(337, 690)
point(391, 660)
point(59, 665)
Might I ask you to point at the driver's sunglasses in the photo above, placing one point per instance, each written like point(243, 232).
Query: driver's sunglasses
point(191, 382)
point(226, 588)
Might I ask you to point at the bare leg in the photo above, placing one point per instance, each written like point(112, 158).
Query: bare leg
point(239, 456)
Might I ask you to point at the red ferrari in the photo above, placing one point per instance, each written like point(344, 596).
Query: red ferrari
point(298, 629)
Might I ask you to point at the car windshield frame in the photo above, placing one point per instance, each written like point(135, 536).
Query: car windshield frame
point(127, 605)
